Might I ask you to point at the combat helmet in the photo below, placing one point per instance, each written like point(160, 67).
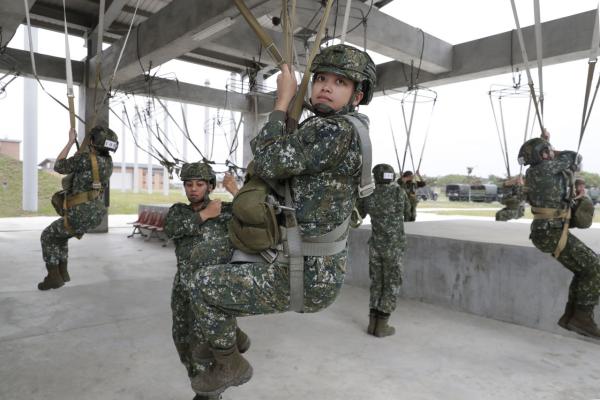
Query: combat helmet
point(351, 63)
point(531, 151)
point(104, 139)
point(383, 173)
point(198, 170)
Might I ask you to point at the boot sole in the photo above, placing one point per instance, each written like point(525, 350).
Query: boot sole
point(582, 332)
point(240, 381)
point(51, 287)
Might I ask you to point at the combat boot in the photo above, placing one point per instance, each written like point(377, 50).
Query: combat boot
point(382, 328)
point(372, 321)
point(566, 317)
point(62, 268)
point(201, 351)
point(583, 323)
point(202, 397)
point(230, 369)
point(53, 280)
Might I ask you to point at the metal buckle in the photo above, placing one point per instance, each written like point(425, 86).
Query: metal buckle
point(96, 186)
point(367, 190)
point(269, 255)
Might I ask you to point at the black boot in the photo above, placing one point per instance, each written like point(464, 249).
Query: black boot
point(583, 322)
point(53, 280)
point(382, 329)
point(62, 268)
point(202, 353)
point(230, 369)
point(202, 397)
point(372, 321)
point(242, 340)
point(566, 317)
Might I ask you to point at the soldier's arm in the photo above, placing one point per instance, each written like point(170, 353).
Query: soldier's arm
point(307, 151)
point(565, 160)
point(361, 207)
point(72, 164)
point(403, 197)
point(182, 221)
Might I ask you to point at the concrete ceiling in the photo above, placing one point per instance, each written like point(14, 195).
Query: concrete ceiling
point(177, 29)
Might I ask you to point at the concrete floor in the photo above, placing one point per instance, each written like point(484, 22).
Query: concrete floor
point(106, 335)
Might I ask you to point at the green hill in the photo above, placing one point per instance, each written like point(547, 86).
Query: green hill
point(11, 189)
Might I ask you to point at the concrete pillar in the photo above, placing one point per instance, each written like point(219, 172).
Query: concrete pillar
point(30, 136)
point(150, 173)
point(165, 170)
point(124, 183)
point(252, 123)
point(136, 169)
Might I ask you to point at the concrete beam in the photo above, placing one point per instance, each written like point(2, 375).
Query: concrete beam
point(12, 13)
point(48, 67)
point(200, 95)
point(112, 11)
point(385, 35)
point(565, 39)
point(166, 35)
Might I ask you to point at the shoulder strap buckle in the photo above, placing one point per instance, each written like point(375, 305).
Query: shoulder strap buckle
point(367, 190)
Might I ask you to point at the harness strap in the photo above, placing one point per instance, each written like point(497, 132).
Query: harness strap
point(366, 185)
point(552, 213)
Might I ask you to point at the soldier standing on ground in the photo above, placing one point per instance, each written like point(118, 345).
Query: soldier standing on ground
point(387, 206)
point(321, 161)
point(199, 231)
point(83, 204)
point(549, 183)
point(410, 186)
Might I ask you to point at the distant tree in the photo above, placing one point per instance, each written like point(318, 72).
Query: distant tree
point(591, 179)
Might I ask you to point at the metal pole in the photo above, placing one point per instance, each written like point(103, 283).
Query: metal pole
point(136, 168)
point(124, 183)
point(30, 137)
point(165, 173)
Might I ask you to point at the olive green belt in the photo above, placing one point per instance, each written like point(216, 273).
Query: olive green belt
point(552, 213)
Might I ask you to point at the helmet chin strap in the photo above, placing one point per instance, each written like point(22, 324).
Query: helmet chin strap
point(323, 110)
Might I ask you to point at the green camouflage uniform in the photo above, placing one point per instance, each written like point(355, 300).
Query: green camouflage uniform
point(322, 162)
point(548, 187)
point(387, 206)
point(82, 217)
point(411, 192)
point(197, 244)
point(512, 198)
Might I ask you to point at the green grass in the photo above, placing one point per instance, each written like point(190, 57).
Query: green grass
point(48, 183)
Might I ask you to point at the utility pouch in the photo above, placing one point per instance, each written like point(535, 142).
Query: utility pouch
point(582, 213)
point(253, 227)
point(58, 202)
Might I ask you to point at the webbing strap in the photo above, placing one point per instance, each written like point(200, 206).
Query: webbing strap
point(366, 185)
point(552, 213)
point(294, 250)
point(82, 197)
point(96, 184)
point(562, 242)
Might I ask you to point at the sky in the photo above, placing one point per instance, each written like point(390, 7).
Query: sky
point(461, 130)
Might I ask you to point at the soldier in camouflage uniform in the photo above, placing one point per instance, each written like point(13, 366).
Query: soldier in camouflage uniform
point(410, 186)
point(199, 231)
point(387, 206)
point(513, 199)
point(321, 161)
point(85, 207)
point(549, 183)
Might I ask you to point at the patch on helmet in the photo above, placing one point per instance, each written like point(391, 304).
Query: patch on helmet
point(110, 144)
point(388, 175)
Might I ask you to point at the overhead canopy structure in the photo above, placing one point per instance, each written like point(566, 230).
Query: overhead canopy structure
point(212, 33)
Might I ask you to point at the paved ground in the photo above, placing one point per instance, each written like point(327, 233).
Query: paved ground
point(106, 335)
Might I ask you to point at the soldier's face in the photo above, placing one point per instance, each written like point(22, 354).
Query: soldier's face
point(333, 91)
point(195, 190)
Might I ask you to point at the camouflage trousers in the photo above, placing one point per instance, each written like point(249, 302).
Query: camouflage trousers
point(187, 335)
point(224, 292)
point(578, 258)
point(413, 211)
point(385, 271)
point(55, 237)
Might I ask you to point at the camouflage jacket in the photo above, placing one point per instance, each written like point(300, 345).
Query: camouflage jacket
point(549, 185)
point(197, 242)
point(411, 187)
point(388, 206)
point(80, 166)
point(322, 161)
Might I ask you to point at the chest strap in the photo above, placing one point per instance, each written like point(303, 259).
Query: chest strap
point(366, 186)
point(553, 213)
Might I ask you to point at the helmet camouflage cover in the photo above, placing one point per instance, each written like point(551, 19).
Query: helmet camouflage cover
point(198, 170)
point(530, 152)
point(104, 138)
point(351, 63)
point(383, 173)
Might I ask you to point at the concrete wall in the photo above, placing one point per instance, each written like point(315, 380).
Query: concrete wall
point(512, 283)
